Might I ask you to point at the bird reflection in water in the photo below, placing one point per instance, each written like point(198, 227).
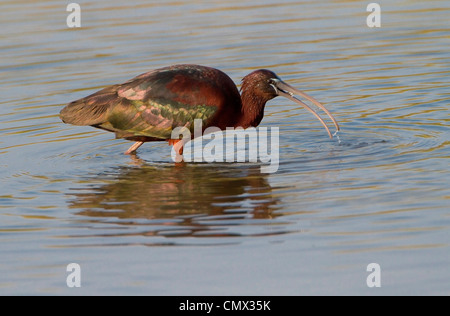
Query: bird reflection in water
point(183, 200)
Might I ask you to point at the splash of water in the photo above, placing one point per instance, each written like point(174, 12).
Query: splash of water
point(337, 136)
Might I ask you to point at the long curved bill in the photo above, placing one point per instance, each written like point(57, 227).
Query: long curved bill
point(287, 91)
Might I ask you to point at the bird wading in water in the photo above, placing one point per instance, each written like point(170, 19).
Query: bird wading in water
point(148, 107)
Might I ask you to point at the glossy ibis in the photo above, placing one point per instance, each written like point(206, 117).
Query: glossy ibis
point(148, 107)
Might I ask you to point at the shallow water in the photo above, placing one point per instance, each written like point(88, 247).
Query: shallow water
point(144, 225)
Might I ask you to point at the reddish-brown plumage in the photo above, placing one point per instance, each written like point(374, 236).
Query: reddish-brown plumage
point(149, 106)
point(210, 87)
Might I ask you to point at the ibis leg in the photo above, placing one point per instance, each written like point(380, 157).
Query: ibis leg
point(133, 148)
point(178, 147)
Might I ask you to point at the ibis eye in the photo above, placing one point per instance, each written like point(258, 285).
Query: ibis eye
point(272, 83)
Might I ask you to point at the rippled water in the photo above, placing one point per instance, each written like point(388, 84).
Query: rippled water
point(147, 226)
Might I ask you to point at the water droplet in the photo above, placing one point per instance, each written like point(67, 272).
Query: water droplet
point(337, 136)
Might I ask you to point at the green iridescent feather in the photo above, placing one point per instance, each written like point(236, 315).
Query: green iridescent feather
point(149, 106)
point(156, 119)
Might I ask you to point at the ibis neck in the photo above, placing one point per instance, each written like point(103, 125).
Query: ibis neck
point(252, 111)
